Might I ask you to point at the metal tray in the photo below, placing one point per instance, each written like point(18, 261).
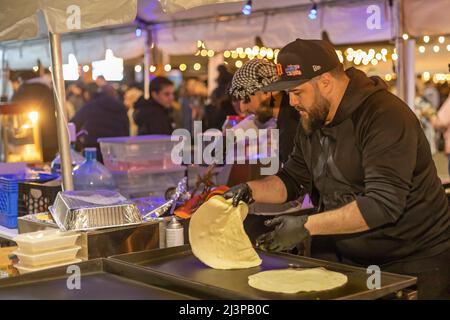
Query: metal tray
point(180, 266)
point(100, 279)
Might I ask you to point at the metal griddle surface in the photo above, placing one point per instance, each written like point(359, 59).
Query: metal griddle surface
point(181, 266)
point(98, 281)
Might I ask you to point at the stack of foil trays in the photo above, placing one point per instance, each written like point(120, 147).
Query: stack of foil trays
point(88, 210)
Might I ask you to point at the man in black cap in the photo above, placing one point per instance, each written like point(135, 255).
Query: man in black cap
point(362, 155)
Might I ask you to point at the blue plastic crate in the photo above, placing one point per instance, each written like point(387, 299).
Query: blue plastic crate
point(9, 194)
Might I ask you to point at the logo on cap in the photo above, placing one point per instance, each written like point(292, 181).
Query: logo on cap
point(293, 70)
point(279, 69)
point(316, 68)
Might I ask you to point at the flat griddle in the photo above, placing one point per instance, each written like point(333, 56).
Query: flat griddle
point(179, 266)
point(100, 279)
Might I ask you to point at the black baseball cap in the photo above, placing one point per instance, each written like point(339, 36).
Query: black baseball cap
point(302, 60)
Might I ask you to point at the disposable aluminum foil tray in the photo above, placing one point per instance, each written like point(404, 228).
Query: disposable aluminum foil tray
point(87, 210)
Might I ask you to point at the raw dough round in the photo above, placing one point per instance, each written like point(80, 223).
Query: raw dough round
point(297, 280)
point(218, 238)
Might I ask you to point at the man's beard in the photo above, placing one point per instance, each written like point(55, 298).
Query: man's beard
point(317, 116)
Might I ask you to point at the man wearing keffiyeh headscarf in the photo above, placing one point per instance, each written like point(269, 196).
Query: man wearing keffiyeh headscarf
point(246, 87)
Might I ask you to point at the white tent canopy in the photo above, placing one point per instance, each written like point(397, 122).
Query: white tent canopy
point(222, 27)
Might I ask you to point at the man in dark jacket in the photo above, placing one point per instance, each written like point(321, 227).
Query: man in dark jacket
point(38, 93)
point(154, 116)
point(363, 153)
point(103, 116)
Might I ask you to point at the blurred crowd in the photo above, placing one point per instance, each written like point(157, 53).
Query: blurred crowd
point(102, 109)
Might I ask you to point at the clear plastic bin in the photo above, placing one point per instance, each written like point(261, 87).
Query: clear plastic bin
point(47, 258)
point(134, 184)
point(25, 269)
point(45, 240)
point(139, 152)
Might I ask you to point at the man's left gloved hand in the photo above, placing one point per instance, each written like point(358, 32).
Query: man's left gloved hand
point(289, 231)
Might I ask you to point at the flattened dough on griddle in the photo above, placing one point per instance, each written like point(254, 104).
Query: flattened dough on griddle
point(218, 238)
point(294, 280)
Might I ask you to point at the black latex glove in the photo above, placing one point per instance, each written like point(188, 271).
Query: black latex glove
point(289, 231)
point(240, 192)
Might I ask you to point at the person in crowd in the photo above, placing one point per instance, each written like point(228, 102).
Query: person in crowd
point(153, 116)
point(221, 103)
point(131, 96)
point(74, 95)
point(192, 100)
point(440, 120)
point(38, 92)
point(103, 116)
point(431, 94)
point(423, 106)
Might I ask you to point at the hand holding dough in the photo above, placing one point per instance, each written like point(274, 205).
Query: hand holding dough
point(218, 238)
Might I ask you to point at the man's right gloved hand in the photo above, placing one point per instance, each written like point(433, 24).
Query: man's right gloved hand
point(240, 192)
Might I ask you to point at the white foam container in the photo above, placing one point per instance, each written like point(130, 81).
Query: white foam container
point(45, 240)
point(25, 269)
point(47, 258)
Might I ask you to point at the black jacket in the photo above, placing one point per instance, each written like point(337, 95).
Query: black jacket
point(103, 116)
point(288, 120)
point(151, 117)
point(375, 152)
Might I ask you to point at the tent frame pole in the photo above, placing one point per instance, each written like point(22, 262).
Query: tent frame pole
point(147, 62)
point(59, 95)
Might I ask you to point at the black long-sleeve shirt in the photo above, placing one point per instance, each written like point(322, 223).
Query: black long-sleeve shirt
point(377, 147)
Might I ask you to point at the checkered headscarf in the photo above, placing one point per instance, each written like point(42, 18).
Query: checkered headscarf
point(251, 77)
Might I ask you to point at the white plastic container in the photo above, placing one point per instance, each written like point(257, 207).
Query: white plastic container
point(138, 152)
point(143, 183)
point(47, 258)
point(25, 269)
point(45, 240)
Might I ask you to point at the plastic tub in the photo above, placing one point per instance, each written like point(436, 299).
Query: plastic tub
point(139, 152)
point(47, 258)
point(45, 240)
point(25, 269)
point(148, 182)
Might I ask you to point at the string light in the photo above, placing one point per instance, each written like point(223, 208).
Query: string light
point(312, 15)
point(242, 55)
point(441, 39)
point(384, 51)
point(378, 56)
point(210, 53)
point(204, 52)
point(152, 68)
point(255, 50)
point(426, 76)
point(388, 77)
point(138, 32)
point(426, 39)
point(269, 54)
point(137, 68)
point(394, 56)
point(86, 68)
point(227, 54)
point(238, 64)
point(436, 48)
point(167, 67)
point(448, 47)
point(374, 62)
point(234, 55)
point(182, 67)
point(197, 66)
point(405, 36)
point(248, 51)
point(247, 9)
point(35, 68)
point(422, 49)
